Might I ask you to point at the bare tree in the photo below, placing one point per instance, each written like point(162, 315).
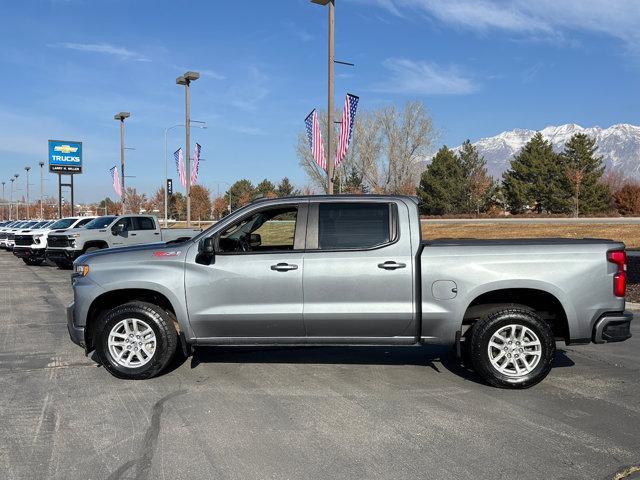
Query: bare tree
point(575, 176)
point(408, 136)
point(387, 147)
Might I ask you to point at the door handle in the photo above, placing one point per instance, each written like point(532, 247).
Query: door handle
point(283, 267)
point(390, 265)
point(133, 234)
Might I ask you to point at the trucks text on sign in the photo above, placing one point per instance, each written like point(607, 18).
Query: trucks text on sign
point(65, 156)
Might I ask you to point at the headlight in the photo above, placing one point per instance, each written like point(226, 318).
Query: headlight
point(81, 270)
point(72, 243)
point(74, 235)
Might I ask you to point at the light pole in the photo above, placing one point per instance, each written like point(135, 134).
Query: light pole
point(186, 80)
point(121, 116)
point(41, 189)
point(199, 124)
point(332, 5)
point(12, 179)
point(26, 169)
point(3, 202)
point(15, 176)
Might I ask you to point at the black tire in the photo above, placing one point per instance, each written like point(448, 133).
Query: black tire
point(486, 327)
point(63, 264)
point(162, 326)
point(33, 261)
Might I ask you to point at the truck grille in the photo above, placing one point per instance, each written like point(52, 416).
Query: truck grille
point(57, 241)
point(11, 236)
point(24, 240)
point(3, 235)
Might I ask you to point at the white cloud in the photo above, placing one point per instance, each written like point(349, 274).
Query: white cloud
point(615, 18)
point(103, 48)
point(425, 78)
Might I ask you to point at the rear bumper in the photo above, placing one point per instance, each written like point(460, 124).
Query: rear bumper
point(613, 327)
point(76, 333)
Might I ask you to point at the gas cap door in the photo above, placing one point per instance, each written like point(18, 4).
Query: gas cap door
point(444, 289)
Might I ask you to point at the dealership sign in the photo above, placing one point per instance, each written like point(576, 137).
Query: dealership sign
point(65, 157)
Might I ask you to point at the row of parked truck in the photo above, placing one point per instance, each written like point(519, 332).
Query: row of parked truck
point(62, 241)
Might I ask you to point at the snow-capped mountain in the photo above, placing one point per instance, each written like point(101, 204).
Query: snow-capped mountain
point(619, 146)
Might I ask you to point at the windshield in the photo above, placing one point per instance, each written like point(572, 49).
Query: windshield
point(38, 224)
point(100, 222)
point(63, 223)
point(29, 224)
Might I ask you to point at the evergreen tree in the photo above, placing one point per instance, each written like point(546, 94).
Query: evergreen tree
point(480, 185)
point(285, 188)
point(240, 193)
point(265, 188)
point(442, 185)
point(583, 175)
point(536, 179)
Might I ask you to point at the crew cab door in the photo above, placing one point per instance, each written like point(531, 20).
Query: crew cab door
point(145, 230)
point(358, 272)
point(252, 287)
point(121, 238)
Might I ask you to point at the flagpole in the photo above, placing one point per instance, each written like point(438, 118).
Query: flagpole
point(331, 5)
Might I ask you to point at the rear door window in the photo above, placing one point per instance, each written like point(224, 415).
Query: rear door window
point(353, 225)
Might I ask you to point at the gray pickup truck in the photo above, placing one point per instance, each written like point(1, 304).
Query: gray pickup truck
point(110, 231)
point(349, 270)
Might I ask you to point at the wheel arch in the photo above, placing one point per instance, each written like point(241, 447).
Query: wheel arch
point(95, 243)
point(544, 302)
point(113, 298)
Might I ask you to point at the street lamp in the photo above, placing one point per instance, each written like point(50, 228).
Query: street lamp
point(26, 169)
point(15, 177)
point(121, 116)
point(198, 124)
point(186, 80)
point(3, 202)
point(12, 179)
point(41, 189)
point(332, 5)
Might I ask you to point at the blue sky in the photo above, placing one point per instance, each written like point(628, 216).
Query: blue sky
point(480, 66)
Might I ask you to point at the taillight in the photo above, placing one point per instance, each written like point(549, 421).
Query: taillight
point(619, 257)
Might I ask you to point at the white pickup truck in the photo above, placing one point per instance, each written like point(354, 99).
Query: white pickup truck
point(30, 245)
point(111, 231)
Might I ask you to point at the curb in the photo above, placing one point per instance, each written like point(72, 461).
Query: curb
point(632, 306)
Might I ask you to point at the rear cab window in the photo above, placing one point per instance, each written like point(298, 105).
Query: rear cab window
point(354, 225)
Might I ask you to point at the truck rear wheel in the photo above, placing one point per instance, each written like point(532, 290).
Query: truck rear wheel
point(135, 340)
point(512, 348)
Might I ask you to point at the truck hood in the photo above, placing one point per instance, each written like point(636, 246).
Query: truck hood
point(145, 252)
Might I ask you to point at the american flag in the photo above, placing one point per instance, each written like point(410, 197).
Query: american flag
point(177, 155)
point(196, 164)
point(346, 129)
point(117, 186)
point(315, 138)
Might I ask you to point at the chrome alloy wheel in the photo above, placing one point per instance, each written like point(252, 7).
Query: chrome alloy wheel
point(514, 350)
point(132, 342)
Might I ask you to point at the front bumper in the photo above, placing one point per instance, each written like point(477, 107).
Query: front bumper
point(62, 254)
point(27, 252)
point(76, 333)
point(613, 327)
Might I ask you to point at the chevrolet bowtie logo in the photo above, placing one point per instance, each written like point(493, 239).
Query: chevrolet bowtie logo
point(65, 149)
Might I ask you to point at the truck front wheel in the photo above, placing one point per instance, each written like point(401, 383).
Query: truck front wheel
point(135, 340)
point(33, 261)
point(512, 348)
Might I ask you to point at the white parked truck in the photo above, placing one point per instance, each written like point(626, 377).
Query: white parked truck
point(111, 231)
point(30, 245)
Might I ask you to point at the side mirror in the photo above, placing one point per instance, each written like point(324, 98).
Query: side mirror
point(206, 251)
point(118, 229)
point(208, 246)
point(255, 240)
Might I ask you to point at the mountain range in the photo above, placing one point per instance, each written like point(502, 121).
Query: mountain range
point(619, 145)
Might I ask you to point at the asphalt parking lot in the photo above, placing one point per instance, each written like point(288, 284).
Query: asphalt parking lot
point(294, 413)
